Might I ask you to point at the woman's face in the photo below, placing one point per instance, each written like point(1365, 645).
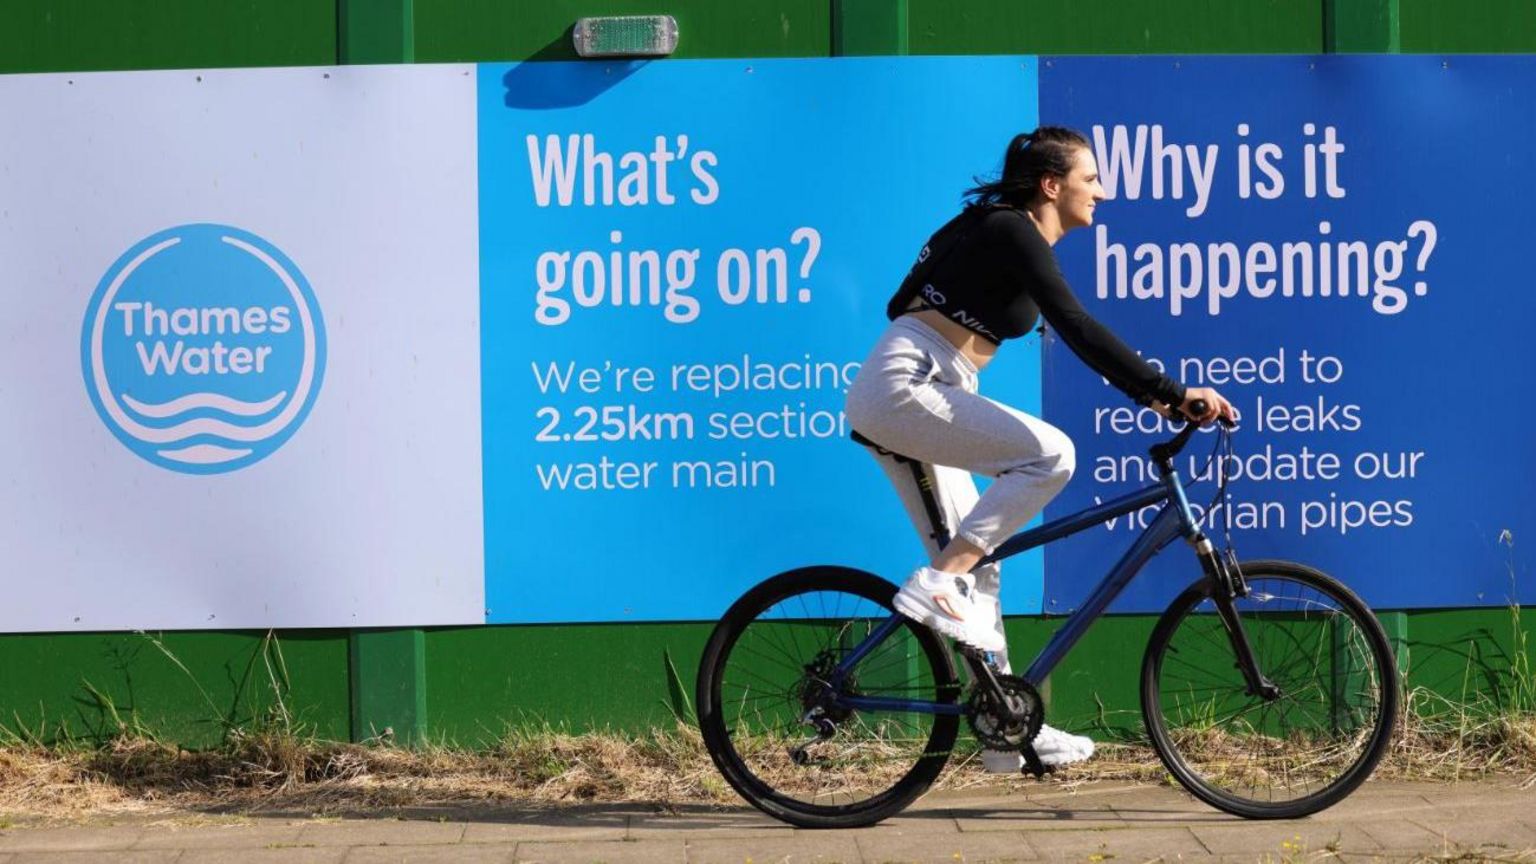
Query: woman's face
point(1079, 191)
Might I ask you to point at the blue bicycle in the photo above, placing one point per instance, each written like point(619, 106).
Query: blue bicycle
point(1268, 688)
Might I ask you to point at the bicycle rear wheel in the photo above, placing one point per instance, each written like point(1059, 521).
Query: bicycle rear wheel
point(1285, 757)
point(761, 672)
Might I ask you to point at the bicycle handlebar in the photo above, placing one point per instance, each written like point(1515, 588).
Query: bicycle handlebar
point(1165, 452)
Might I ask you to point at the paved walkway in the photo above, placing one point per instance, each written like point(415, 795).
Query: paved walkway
point(1099, 822)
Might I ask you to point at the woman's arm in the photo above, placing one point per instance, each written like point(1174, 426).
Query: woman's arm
point(1090, 340)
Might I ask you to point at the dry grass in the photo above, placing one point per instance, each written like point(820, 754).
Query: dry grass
point(282, 772)
point(1446, 741)
point(278, 772)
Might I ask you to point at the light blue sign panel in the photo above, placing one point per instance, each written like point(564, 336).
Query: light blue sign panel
point(1341, 245)
point(682, 265)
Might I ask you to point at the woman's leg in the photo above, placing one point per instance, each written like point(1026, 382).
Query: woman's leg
point(960, 432)
point(955, 493)
point(916, 395)
point(1029, 459)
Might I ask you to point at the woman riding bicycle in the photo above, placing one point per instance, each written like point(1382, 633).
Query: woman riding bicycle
point(984, 277)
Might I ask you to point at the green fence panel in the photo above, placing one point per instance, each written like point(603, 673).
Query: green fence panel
point(186, 688)
point(79, 35)
point(578, 677)
point(1096, 688)
point(1468, 27)
point(1126, 27)
point(485, 30)
point(1474, 658)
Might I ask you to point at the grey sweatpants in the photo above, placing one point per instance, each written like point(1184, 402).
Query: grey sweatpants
point(916, 395)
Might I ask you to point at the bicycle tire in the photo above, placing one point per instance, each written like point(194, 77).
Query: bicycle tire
point(1332, 724)
point(748, 644)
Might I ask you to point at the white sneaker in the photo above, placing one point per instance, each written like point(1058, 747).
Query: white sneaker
point(943, 601)
point(1056, 747)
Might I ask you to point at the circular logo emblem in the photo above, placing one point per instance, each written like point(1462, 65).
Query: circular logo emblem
point(203, 348)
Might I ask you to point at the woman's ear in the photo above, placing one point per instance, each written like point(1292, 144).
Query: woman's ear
point(1050, 186)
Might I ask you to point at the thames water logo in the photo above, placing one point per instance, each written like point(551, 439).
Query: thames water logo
point(203, 348)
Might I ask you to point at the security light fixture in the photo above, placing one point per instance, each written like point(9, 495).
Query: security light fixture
point(625, 36)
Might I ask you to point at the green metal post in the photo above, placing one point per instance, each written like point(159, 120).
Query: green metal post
point(1361, 27)
point(869, 27)
point(1351, 666)
point(387, 668)
point(376, 31)
point(1396, 625)
point(388, 672)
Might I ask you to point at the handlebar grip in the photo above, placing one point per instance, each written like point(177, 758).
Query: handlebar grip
point(1199, 407)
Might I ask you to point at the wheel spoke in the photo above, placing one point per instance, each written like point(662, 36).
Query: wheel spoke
point(1299, 752)
point(783, 657)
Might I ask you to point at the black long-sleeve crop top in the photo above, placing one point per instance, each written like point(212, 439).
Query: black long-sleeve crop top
point(990, 270)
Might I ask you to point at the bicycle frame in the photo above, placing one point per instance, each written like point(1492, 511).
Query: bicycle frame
point(1171, 523)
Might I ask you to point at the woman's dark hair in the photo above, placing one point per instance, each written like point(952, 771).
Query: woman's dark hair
point(1030, 156)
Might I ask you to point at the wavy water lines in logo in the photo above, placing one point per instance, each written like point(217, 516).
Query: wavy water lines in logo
point(203, 348)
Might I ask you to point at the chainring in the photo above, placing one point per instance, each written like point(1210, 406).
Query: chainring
point(986, 717)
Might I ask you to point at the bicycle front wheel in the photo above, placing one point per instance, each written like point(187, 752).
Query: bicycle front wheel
point(764, 670)
point(1294, 753)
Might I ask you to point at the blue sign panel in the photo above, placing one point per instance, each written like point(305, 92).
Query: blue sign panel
point(682, 266)
point(1334, 243)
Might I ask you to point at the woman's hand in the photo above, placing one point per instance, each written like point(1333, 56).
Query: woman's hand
point(1215, 406)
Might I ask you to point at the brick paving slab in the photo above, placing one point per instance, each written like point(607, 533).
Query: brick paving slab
point(613, 852)
point(822, 847)
point(1473, 834)
point(380, 832)
point(1146, 814)
point(1402, 834)
point(288, 855)
point(554, 824)
point(1037, 818)
point(546, 829)
point(69, 839)
point(1144, 844)
point(1116, 788)
point(739, 823)
point(989, 846)
point(1482, 812)
point(1356, 807)
point(914, 822)
point(1295, 838)
point(1466, 798)
point(99, 857)
point(219, 837)
point(453, 854)
point(1132, 822)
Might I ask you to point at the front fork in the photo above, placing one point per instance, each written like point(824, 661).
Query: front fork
point(1228, 586)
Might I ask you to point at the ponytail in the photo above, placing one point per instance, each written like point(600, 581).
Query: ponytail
point(1048, 150)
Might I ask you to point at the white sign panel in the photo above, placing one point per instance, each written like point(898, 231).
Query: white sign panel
point(239, 353)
